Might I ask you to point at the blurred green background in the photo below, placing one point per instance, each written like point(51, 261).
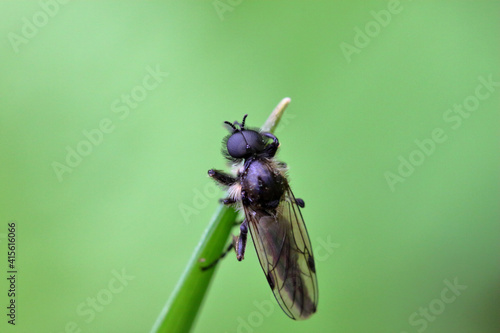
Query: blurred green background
point(139, 92)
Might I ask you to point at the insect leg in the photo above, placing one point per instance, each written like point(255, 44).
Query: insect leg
point(282, 164)
point(212, 264)
point(300, 202)
point(272, 147)
point(222, 177)
point(242, 241)
point(228, 201)
point(231, 246)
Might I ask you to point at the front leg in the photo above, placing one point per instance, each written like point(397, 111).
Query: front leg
point(273, 146)
point(225, 180)
point(222, 177)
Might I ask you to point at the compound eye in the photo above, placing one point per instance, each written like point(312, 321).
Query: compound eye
point(244, 143)
point(236, 145)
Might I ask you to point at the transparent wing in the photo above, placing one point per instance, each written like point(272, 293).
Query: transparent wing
point(285, 254)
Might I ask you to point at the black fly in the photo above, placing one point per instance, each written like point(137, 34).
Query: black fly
point(273, 217)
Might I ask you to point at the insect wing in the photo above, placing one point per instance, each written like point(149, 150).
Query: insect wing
point(286, 257)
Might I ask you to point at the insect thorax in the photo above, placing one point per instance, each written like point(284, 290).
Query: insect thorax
point(262, 184)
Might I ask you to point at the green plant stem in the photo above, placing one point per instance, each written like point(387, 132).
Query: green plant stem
point(181, 309)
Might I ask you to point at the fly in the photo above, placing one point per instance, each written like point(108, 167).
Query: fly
point(273, 217)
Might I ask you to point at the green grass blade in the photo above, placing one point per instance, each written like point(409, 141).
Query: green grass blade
point(180, 311)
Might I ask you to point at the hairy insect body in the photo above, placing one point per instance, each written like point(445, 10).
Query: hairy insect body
point(262, 186)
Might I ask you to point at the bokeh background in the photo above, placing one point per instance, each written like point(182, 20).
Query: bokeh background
point(151, 83)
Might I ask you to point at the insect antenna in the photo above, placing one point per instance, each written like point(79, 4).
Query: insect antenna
point(232, 126)
point(242, 125)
